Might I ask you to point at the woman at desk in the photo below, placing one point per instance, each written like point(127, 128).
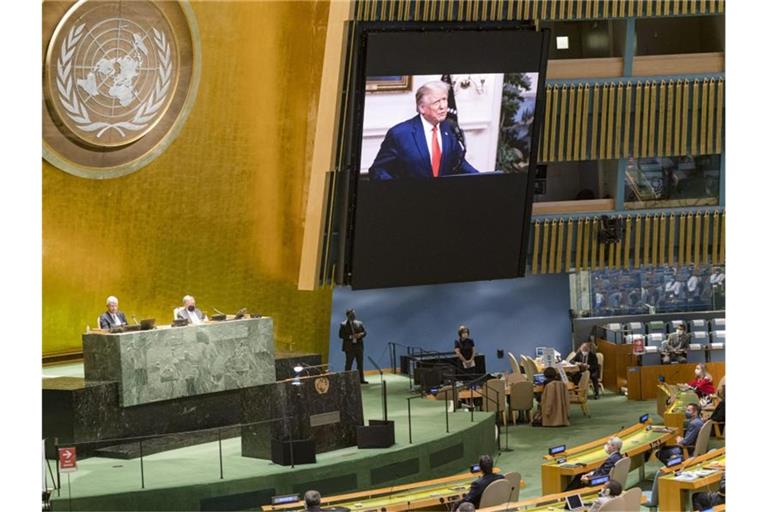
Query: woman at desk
point(702, 383)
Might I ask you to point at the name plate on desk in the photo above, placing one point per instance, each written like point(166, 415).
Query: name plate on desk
point(163, 364)
point(326, 418)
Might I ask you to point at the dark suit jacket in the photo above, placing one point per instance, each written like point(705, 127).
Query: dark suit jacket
point(105, 320)
point(404, 153)
point(345, 333)
point(590, 360)
point(607, 465)
point(477, 488)
point(183, 314)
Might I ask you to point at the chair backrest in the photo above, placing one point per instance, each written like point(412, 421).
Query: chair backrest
point(612, 327)
point(654, 339)
point(583, 388)
point(614, 505)
point(698, 325)
point(495, 398)
point(634, 327)
point(630, 338)
point(529, 366)
point(513, 363)
point(656, 326)
point(521, 396)
point(571, 355)
point(514, 378)
point(496, 493)
point(702, 440)
point(600, 360)
point(672, 325)
point(699, 336)
point(632, 498)
point(718, 324)
point(176, 312)
point(620, 470)
point(717, 336)
point(514, 478)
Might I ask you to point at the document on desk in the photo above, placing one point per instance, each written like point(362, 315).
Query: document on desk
point(469, 364)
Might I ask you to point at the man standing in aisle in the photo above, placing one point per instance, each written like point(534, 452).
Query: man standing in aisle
point(352, 332)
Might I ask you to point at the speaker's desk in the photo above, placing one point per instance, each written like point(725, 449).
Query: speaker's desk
point(704, 471)
point(637, 440)
point(425, 495)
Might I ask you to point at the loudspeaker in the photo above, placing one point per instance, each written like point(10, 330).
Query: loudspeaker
point(378, 434)
point(303, 451)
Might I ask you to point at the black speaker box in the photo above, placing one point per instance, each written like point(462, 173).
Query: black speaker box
point(303, 451)
point(378, 434)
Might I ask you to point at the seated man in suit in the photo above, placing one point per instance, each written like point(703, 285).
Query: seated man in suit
point(613, 449)
point(675, 348)
point(425, 146)
point(479, 485)
point(190, 312)
point(707, 500)
point(587, 360)
point(112, 317)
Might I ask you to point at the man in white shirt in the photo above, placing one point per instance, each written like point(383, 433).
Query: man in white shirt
point(425, 146)
point(112, 317)
point(190, 312)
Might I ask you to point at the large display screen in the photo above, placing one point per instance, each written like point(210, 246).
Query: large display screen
point(443, 132)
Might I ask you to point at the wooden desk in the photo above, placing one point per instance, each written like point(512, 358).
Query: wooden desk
point(467, 394)
point(427, 494)
point(673, 493)
point(549, 502)
point(642, 381)
point(637, 441)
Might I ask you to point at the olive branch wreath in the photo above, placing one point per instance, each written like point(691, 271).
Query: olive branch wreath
point(76, 110)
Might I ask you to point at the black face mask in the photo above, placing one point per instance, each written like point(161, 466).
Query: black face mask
point(190, 308)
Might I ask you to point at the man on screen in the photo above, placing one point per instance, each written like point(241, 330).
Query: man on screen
point(425, 146)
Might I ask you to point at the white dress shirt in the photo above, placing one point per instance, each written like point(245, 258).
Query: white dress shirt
point(116, 319)
point(193, 318)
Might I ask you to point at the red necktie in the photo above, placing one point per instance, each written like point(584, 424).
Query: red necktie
point(435, 153)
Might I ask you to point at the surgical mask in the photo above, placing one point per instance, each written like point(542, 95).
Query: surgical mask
point(698, 372)
point(605, 493)
point(190, 308)
point(688, 415)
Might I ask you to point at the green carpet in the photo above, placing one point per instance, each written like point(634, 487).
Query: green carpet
point(107, 481)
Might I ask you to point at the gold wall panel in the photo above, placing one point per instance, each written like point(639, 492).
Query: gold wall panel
point(220, 214)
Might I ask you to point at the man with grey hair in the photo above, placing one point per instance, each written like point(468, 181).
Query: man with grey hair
point(613, 448)
point(112, 317)
point(425, 146)
point(190, 312)
point(312, 500)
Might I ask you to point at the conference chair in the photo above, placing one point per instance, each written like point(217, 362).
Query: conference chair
point(614, 505)
point(717, 338)
point(656, 326)
point(176, 313)
point(698, 325)
point(672, 324)
point(520, 399)
point(620, 471)
point(529, 366)
point(495, 398)
point(513, 363)
point(613, 332)
point(579, 395)
point(600, 360)
point(514, 478)
point(696, 349)
point(497, 493)
point(632, 498)
point(702, 440)
point(634, 328)
point(570, 356)
point(717, 324)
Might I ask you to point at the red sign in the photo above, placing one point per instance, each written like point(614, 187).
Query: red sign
point(67, 459)
point(638, 346)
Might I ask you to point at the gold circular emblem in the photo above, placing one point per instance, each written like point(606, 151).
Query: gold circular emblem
point(119, 81)
point(322, 384)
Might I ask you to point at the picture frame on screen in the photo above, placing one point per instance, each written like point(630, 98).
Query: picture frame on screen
point(438, 176)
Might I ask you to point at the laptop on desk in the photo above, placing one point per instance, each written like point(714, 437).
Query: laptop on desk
point(574, 503)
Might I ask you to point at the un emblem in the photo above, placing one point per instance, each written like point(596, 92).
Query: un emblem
point(120, 79)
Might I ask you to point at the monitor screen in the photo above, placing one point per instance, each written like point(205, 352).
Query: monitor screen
point(674, 461)
point(600, 480)
point(287, 498)
point(538, 379)
point(557, 449)
point(643, 418)
point(443, 131)
point(574, 502)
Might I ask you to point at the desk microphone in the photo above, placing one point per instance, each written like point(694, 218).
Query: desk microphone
point(134, 319)
point(218, 312)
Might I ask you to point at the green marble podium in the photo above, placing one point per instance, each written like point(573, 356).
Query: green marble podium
point(173, 362)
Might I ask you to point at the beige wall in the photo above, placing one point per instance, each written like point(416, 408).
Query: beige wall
point(220, 214)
